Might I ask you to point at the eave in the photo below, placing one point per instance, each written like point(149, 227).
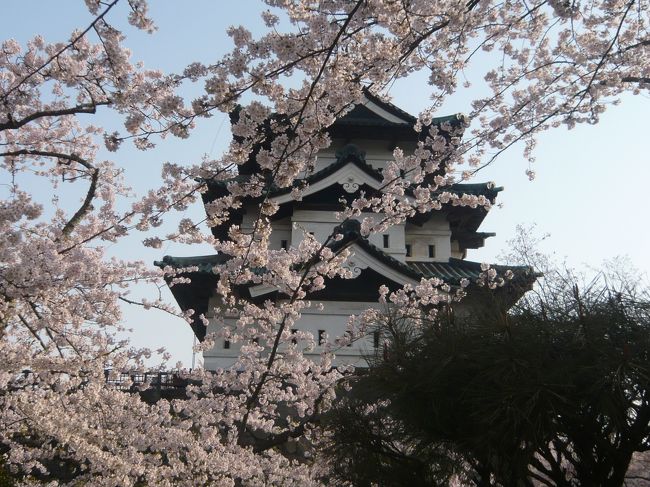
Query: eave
point(349, 165)
point(196, 294)
point(373, 119)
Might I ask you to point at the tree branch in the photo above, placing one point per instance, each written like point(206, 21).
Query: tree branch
point(635, 79)
point(57, 155)
point(86, 206)
point(84, 108)
point(60, 51)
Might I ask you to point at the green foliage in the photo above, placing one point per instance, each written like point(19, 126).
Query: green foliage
point(555, 392)
point(6, 479)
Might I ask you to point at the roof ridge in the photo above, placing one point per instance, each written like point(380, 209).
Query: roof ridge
point(391, 107)
point(387, 105)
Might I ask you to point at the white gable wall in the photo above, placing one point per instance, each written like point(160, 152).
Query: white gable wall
point(434, 232)
point(322, 223)
point(377, 151)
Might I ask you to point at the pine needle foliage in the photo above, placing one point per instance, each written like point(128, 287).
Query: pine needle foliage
point(555, 392)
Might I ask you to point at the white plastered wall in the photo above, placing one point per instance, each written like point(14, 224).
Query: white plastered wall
point(332, 319)
point(321, 223)
point(456, 251)
point(433, 232)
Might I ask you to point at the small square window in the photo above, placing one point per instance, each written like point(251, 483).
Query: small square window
point(226, 344)
point(284, 244)
point(386, 241)
point(408, 250)
point(432, 251)
point(321, 337)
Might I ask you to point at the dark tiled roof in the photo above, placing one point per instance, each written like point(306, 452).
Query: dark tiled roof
point(478, 189)
point(361, 122)
point(196, 295)
point(205, 263)
point(352, 158)
point(362, 115)
point(376, 122)
point(452, 271)
point(457, 269)
point(350, 229)
point(389, 107)
point(480, 235)
point(398, 112)
point(485, 189)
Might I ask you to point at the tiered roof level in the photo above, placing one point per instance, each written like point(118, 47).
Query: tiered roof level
point(432, 244)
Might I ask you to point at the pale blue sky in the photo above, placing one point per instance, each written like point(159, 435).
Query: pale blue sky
point(591, 181)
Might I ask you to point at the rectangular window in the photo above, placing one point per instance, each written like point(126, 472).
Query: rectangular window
point(408, 250)
point(375, 339)
point(432, 251)
point(321, 337)
point(293, 340)
point(386, 241)
point(284, 244)
point(226, 344)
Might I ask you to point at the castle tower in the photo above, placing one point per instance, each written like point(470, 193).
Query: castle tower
point(432, 244)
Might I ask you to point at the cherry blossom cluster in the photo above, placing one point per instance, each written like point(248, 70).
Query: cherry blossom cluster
point(559, 63)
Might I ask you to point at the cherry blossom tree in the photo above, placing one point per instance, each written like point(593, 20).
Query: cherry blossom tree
point(558, 63)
